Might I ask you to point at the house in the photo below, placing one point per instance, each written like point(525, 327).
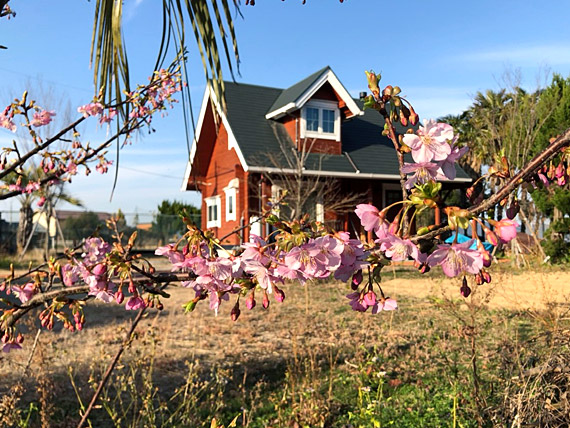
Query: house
point(238, 153)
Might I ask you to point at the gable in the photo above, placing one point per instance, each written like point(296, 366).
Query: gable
point(296, 96)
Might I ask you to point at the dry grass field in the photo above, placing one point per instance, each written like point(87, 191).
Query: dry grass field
point(304, 362)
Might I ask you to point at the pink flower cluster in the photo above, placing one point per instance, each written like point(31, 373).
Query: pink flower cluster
point(7, 120)
point(264, 267)
point(42, 118)
point(434, 152)
point(455, 259)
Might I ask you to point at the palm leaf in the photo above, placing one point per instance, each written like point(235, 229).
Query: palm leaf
point(108, 51)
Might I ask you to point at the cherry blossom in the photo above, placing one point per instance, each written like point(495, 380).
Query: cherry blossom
point(505, 229)
point(456, 259)
point(423, 172)
point(399, 249)
point(430, 142)
point(42, 118)
point(369, 216)
point(91, 109)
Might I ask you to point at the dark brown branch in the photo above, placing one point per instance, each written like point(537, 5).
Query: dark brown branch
point(21, 160)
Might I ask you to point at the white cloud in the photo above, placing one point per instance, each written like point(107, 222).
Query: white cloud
point(548, 54)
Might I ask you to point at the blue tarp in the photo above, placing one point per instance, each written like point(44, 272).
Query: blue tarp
point(464, 238)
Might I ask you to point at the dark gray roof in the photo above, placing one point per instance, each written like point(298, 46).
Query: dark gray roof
point(361, 136)
point(291, 94)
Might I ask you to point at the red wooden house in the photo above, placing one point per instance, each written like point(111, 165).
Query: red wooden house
point(229, 158)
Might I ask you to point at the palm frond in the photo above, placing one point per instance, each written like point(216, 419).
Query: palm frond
point(208, 20)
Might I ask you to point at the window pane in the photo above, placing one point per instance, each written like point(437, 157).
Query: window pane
point(328, 121)
point(210, 216)
point(230, 204)
point(312, 116)
point(215, 212)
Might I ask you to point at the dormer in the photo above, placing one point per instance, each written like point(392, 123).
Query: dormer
point(313, 109)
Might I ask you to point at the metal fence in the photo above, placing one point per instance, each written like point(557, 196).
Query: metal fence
point(69, 228)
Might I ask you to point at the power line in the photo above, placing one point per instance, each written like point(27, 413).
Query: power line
point(151, 173)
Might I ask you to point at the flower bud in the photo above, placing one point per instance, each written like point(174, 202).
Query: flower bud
point(465, 290)
point(356, 279)
point(265, 301)
point(403, 118)
point(513, 209)
point(486, 276)
point(414, 118)
point(279, 294)
point(250, 301)
point(119, 297)
point(424, 268)
point(491, 237)
point(478, 278)
point(373, 80)
point(370, 298)
point(99, 270)
point(235, 312)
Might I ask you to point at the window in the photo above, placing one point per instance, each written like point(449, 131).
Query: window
point(312, 119)
point(231, 199)
point(321, 119)
point(213, 218)
point(328, 121)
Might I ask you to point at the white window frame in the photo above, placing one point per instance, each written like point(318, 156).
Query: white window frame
point(214, 201)
point(231, 192)
point(321, 105)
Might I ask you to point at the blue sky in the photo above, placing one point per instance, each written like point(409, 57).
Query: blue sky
point(439, 53)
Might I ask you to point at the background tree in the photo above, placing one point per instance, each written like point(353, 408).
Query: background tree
point(298, 192)
point(168, 223)
point(507, 125)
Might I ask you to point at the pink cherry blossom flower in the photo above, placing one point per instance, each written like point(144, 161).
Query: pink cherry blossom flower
point(264, 277)
point(506, 230)
point(168, 251)
point(24, 293)
point(134, 303)
point(328, 252)
point(6, 120)
point(430, 142)
point(42, 118)
point(456, 259)
point(32, 186)
point(448, 164)
point(399, 249)
point(107, 118)
point(91, 109)
point(423, 172)
point(255, 249)
point(369, 216)
point(385, 304)
point(357, 301)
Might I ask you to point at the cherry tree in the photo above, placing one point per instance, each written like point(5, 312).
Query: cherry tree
point(259, 271)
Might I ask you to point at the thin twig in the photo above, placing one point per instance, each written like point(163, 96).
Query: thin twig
point(32, 352)
point(111, 367)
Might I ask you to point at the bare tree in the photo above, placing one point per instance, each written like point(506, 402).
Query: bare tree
point(299, 192)
point(47, 97)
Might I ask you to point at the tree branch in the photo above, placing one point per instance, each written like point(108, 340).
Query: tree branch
point(529, 170)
